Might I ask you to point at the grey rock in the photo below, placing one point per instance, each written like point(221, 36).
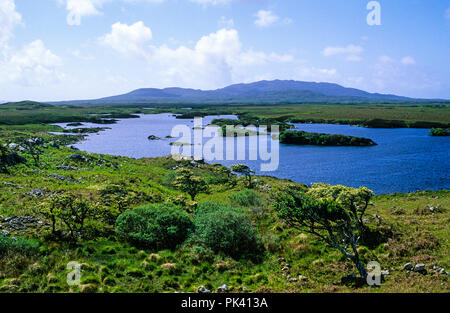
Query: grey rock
point(223, 288)
point(36, 192)
point(202, 289)
point(62, 178)
point(419, 267)
point(408, 267)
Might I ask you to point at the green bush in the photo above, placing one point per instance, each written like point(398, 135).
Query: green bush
point(227, 230)
point(246, 197)
point(15, 246)
point(157, 226)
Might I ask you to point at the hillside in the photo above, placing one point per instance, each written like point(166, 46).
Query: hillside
point(277, 91)
point(404, 228)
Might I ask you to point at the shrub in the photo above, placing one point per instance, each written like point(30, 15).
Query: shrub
point(246, 197)
point(14, 246)
point(227, 230)
point(157, 226)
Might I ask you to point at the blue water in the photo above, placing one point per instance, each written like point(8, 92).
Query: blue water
point(404, 160)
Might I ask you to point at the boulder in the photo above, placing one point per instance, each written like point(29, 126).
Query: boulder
point(408, 267)
point(223, 288)
point(419, 268)
point(202, 289)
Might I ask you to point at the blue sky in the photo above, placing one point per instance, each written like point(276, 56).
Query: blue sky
point(81, 49)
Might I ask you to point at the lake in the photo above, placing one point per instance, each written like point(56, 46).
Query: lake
point(405, 159)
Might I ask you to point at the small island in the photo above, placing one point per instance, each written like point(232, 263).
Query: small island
point(293, 137)
point(439, 132)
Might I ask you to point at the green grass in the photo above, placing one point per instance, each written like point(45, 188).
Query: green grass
point(113, 265)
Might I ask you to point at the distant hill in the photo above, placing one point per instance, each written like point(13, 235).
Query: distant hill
point(276, 91)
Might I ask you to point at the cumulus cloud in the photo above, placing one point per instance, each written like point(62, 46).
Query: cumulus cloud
point(217, 59)
point(265, 18)
point(9, 19)
point(128, 39)
point(351, 52)
point(33, 65)
point(79, 8)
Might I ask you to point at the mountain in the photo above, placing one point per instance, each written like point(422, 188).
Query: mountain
point(276, 91)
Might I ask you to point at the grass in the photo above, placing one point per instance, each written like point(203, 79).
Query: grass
point(110, 265)
point(413, 232)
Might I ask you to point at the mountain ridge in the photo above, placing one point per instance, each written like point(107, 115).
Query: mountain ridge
point(274, 91)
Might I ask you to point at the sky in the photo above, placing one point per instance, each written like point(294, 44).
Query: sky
point(53, 50)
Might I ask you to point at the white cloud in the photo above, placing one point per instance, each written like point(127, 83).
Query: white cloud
point(128, 39)
point(216, 60)
point(9, 19)
point(408, 60)
point(351, 52)
point(33, 65)
point(79, 8)
point(265, 18)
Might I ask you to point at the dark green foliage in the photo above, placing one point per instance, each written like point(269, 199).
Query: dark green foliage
point(244, 170)
point(225, 229)
point(305, 138)
point(157, 226)
point(10, 246)
point(186, 181)
point(439, 132)
point(246, 197)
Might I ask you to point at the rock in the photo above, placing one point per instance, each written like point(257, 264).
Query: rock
point(62, 178)
point(293, 280)
point(285, 268)
point(408, 267)
point(302, 278)
point(36, 192)
point(5, 233)
point(153, 137)
point(223, 288)
point(419, 268)
point(202, 289)
point(66, 168)
point(281, 260)
point(77, 157)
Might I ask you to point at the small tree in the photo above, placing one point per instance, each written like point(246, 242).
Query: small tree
point(354, 200)
point(70, 211)
point(324, 218)
point(243, 170)
point(32, 147)
point(186, 181)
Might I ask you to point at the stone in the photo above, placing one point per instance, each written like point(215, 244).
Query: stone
point(62, 178)
point(153, 137)
point(223, 288)
point(408, 267)
point(419, 268)
point(36, 192)
point(77, 157)
point(202, 289)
